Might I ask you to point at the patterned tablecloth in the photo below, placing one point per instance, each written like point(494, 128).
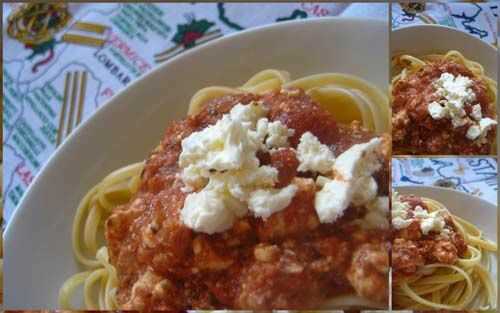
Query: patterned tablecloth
point(58, 74)
point(477, 176)
point(478, 19)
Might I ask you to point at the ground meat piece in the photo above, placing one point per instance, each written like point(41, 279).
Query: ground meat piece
point(351, 134)
point(337, 252)
point(286, 162)
point(301, 113)
point(298, 219)
point(445, 252)
point(413, 201)
point(400, 123)
point(214, 109)
point(369, 271)
point(406, 257)
point(459, 242)
point(161, 167)
point(279, 284)
point(412, 232)
point(151, 289)
point(207, 258)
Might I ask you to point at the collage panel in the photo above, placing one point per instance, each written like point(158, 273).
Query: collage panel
point(444, 219)
point(249, 170)
point(444, 79)
point(443, 90)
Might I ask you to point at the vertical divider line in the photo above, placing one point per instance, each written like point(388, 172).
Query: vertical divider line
point(389, 79)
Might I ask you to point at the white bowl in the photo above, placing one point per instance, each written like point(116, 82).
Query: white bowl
point(38, 254)
point(431, 39)
point(480, 212)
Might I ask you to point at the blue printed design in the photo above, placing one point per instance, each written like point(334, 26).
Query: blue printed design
point(468, 20)
point(476, 176)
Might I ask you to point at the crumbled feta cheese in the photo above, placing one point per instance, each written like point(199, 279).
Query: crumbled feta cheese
point(365, 190)
point(377, 215)
point(437, 111)
point(273, 134)
point(456, 89)
point(277, 135)
point(432, 221)
point(332, 200)
point(248, 114)
point(221, 165)
point(400, 223)
point(321, 181)
point(352, 183)
point(486, 124)
point(193, 178)
point(428, 221)
point(473, 132)
point(456, 93)
point(313, 155)
point(476, 112)
point(227, 145)
point(481, 130)
point(458, 121)
point(205, 211)
point(359, 160)
point(265, 202)
point(399, 212)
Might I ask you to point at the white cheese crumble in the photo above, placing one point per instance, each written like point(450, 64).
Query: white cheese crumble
point(455, 89)
point(437, 111)
point(365, 190)
point(206, 211)
point(480, 130)
point(359, 160)
point(227, 145)
point(332, 200)
point(399, 212)
point(313, 155)
point(486, 124)
point(352, 182)
point(265, 202)
point(278, 135)
point(476, 113)
point(456, 92)
point(428, 221)
point(473, 132)
point(249, 114)
point(220, 164)
point(377, 215)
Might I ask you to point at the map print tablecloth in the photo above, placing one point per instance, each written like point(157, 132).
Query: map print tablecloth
point(478, 19)
point(51, 87)
point(477, 176)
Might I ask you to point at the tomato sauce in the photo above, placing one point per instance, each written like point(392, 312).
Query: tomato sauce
point(288, 261)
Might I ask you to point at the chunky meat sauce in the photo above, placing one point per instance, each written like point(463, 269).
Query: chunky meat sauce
point(412, 249)
point(414, 131)
point(287, 261)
